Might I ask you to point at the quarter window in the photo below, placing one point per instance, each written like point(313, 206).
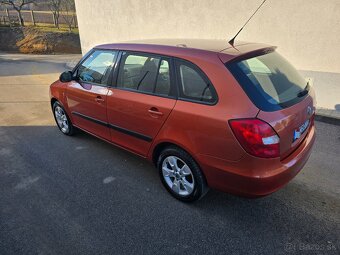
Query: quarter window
point(144, 73)
point(194, 85)
point(96, 68)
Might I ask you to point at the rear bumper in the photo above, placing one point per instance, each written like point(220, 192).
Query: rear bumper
point(255, 177)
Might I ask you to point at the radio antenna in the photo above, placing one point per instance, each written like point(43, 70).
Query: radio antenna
point(233, 39)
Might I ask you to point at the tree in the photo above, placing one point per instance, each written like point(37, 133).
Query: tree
point(55, 6)
point(68, 10)
point(18, 5)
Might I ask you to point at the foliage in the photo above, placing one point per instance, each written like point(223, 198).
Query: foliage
point(55, 6)
point(18, 5)
point(68, 8)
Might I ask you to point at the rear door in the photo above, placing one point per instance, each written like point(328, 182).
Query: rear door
point(285, 99)
point(141, 100)
point(87, 94)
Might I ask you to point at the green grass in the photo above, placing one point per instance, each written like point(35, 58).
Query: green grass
point(50, 28)
point(44, 27)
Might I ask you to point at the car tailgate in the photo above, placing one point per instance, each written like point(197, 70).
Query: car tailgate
point(291, 124)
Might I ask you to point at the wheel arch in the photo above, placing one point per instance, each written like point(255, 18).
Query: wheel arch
point(159, 147)
point(164, 144)
point(53, 100)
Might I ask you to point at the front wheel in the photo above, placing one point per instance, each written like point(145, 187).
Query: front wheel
point(63, 121)
point(181, 175)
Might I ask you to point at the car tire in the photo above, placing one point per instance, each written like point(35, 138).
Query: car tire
point(62, 119)
point(181, 175)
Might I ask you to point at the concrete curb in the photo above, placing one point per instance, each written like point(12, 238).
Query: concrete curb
point(322, 114)
point(328, 116)
point(327, 119)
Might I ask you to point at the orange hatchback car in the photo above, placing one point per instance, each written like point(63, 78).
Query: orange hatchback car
point(237, 118)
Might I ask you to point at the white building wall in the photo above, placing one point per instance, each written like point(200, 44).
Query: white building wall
point(307, 32)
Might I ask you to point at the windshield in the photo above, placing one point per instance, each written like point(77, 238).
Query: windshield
point(270, 81)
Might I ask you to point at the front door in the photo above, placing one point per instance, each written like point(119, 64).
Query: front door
point(87, 95)
point(141, 102)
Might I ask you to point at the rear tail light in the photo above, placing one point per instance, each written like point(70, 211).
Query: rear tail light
point(257, 137)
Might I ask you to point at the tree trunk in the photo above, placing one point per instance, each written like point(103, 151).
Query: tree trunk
point(57, 20)
point(21, 20)
point(32, 16)
point(54, 21)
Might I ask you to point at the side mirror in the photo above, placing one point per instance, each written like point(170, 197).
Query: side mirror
point(66, 76)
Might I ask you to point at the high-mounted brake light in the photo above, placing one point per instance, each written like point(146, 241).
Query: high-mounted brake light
point(257, 137)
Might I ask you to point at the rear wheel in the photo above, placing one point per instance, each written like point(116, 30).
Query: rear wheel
point(63, 121)
point(181, 175)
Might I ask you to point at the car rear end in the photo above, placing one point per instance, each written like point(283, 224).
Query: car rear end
point(278, 140)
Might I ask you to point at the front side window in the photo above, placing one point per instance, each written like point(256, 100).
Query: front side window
point(96, 68)
point(194, 85)
point(145, 73)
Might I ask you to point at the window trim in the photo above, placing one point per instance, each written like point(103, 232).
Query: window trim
point(86, 56)
point(174, 77)
point(201, 73)
point(173, 86)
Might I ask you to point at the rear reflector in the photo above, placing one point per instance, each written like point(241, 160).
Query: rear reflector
point(257, 137)
point(271, 140)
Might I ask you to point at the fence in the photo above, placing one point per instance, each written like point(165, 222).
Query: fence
point(4, 21)
point(10, 17)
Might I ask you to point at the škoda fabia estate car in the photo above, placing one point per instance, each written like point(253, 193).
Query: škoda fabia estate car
point(237, 118)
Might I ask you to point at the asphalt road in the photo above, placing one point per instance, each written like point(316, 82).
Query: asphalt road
point(80, 195)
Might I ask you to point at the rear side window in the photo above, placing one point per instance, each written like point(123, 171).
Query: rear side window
point(97, 66)
point(193, 83)
point(270, 81)
point(145, 73)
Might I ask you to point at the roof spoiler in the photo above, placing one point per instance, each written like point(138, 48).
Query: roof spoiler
point(251, 54)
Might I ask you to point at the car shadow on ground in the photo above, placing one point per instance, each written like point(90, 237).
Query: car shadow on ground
point(91, 179)
point(89, 146)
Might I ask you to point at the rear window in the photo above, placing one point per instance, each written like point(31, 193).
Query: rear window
point(269, 80)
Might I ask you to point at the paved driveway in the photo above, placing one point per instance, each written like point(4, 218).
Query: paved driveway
point(24, 84)
point(80, 195)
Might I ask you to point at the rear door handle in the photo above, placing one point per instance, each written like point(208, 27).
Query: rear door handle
point(155, 111)
point(99, 99)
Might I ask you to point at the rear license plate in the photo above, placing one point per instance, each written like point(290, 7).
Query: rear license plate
point(300, 130)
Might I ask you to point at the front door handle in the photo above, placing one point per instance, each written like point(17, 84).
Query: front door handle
point(99, 99)
point(154, 111)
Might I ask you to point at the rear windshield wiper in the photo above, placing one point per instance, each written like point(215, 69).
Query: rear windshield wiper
point(304, 91)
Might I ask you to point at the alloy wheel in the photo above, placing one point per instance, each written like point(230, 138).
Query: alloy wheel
point(61, 118)
point(178, 176)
